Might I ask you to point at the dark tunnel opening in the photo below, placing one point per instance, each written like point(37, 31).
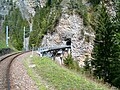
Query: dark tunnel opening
point(68, 41)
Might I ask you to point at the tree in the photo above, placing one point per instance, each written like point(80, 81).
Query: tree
point(106, 54)
point(16, 23)
point(116, 67)
point(45, 20)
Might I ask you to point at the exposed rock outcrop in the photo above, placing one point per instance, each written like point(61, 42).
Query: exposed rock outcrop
point(71, 31)
point(27, 8)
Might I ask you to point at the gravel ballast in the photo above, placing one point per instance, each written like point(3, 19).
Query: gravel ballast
point(19, 78)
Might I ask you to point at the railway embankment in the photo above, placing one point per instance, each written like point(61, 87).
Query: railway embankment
point(28, 71)
point(4, 51)
point(19, 78)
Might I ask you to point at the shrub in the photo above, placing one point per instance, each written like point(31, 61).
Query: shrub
point(68, 61)
point(71, 63)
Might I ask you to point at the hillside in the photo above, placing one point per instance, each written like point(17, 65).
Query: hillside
point(90, 27)
point(50, 76)
point(4, 10)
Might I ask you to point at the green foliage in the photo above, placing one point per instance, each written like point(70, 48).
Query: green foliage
point(94, 2)
point(115, 74)
point(77, 67)
point(31, 73)
point(15, 23)
point(76, 6)
point(106, 54)
point(62, 78)
point(71, 63)
point(45, 20)
point(68, 61)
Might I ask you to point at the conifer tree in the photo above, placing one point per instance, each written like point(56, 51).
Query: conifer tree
point(15, 23)
point(106, 54)
point(101, 48)
point(115, 75)
point(44, 20)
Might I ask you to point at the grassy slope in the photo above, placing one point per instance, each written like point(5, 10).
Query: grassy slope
point(63, 79)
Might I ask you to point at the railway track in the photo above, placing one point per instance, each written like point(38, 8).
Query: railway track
point(5, 64)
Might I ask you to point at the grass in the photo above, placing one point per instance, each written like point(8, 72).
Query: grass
point(33, 76)
point(62, 78)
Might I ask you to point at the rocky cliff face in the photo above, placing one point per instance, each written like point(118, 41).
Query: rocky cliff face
point(28, 6)
point(4, 10)
point(71, 31)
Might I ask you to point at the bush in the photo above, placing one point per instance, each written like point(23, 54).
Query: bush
point(68, 61)
point(71, 63)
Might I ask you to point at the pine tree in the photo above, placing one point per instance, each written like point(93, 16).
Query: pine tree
point(102, 44)
point(44, 21)
point(106, 54)
point(115, 73)
point(16, 23)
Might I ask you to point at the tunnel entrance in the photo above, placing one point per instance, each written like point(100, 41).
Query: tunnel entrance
point(68, 41)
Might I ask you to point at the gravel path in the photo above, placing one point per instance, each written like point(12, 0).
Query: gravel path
point(19, 78)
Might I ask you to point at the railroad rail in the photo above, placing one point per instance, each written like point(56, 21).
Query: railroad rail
point(5, 64)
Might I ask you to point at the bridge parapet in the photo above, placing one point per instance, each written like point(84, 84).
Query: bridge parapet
point(58, 52)
point(52, 48)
